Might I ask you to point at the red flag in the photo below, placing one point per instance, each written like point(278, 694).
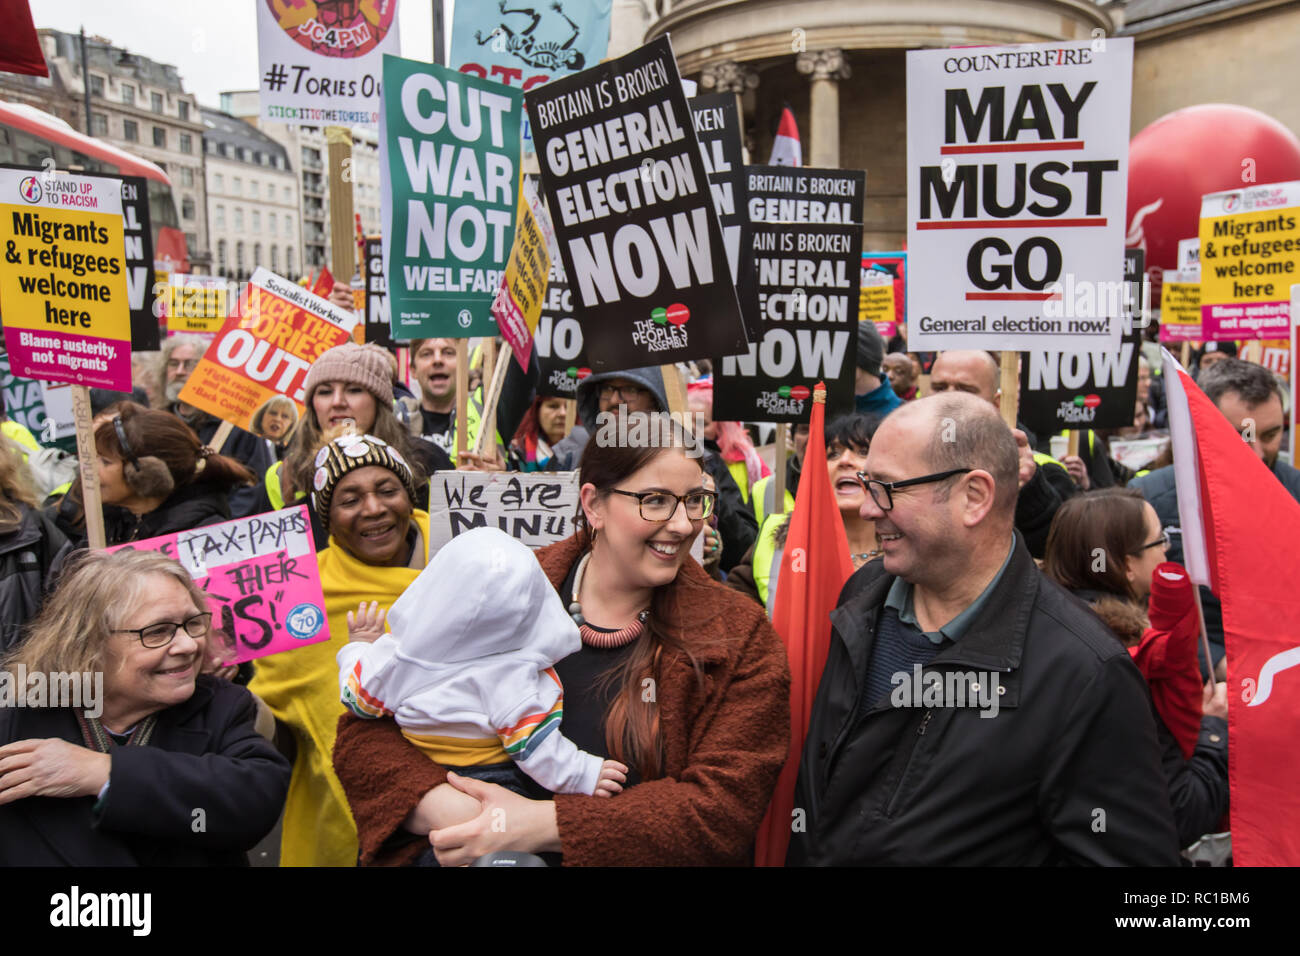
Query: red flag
point(814, 567)
point(1251, 526)
point(20, 50)
point(786, 148)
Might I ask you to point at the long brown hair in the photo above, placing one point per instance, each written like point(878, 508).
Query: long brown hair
point(1091, 538)
point(161, 435)
point(632, 731)
point(299, 461)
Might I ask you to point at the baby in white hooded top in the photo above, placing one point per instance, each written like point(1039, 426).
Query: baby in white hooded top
point(468, 670)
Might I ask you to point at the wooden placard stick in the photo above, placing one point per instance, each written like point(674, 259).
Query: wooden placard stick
point(487, 372)
point(570, 415)
point(674, 390)
point(343, 260)
point(220, 435)
point(1073, 447)
point(462, 395)
point(88, 465)
point(778, 469)
point(1009, 406)
point(491, 396)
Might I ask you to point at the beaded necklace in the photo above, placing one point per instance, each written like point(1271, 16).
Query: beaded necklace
point(592, 637)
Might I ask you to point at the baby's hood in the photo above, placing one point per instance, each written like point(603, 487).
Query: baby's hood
point(483, 593)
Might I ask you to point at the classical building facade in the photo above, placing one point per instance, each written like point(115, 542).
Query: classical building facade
point(135, 103)
point(840, 66)
point(306, 148)
point(253, 200)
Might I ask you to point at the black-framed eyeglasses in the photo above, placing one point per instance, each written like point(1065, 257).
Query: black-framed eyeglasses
point(882, 492)
point(662, 505)
point(624, 392)
point(162, 633)
point(1160, 542)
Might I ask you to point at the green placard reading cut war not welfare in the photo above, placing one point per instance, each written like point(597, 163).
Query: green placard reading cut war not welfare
point(450, 168)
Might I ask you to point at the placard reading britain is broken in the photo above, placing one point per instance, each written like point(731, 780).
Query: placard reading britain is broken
point(629, 195)
point(449, 149)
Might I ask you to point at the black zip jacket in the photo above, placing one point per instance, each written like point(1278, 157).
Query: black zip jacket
point(1068, 771)
point(30, 558)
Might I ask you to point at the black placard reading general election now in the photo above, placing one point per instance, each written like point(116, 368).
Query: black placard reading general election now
point(1095, 389)
point(379, 329)
point(717, 124)
point(557, 343)
point(805, 194)
point(808, 285)
point(629, 197)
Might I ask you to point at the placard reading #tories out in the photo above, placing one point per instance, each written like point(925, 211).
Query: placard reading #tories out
point(1017, 162)
point(320, 61)
point(260, 576)
point(448, 163)
point(630, 199)
point(265, 349)
point(808, 291)
point(63, 291)
point(1094, 389)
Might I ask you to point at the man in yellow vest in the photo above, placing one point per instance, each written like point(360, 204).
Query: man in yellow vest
point(1044, 481)
point(763, 498)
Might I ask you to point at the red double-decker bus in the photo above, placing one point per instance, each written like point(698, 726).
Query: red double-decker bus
point(29, 136)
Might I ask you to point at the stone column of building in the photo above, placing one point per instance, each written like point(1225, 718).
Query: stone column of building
point(728, 77)
point(827, 68)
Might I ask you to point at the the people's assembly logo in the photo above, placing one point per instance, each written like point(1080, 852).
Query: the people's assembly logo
point(341, 28)
point(786, 400)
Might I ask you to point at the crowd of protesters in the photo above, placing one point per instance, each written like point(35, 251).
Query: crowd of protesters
point(976, 552)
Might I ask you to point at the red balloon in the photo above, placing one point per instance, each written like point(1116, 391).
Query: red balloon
point(1188, 153)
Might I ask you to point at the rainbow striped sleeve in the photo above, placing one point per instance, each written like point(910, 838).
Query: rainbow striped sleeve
point(521, 740)
point(358, 701)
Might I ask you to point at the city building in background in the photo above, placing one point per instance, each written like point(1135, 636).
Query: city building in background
point(253, 199)
point(306, 147)
point(840, 66)
point(137, 104)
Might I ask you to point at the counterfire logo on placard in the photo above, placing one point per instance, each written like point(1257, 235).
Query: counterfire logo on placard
point(332, 28)
point(30, 189)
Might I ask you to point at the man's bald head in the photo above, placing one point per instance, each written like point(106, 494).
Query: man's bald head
point(971, 371)
point(961, 431)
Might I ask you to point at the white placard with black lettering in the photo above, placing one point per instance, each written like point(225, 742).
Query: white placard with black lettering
point(808, 285)
point(629, 194)
point(537, 508)
point(1017, 161)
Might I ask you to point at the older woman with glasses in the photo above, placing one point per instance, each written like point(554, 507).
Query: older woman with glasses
point(125, 753)
point(680, 679)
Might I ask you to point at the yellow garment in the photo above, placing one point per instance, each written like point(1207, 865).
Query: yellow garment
point(459, 751)
point(18, 433)
point(302, 689)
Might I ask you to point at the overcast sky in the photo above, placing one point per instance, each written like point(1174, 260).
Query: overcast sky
point(213, 43)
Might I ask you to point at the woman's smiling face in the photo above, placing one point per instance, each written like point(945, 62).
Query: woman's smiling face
point(370, 513)
point(647, 554)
